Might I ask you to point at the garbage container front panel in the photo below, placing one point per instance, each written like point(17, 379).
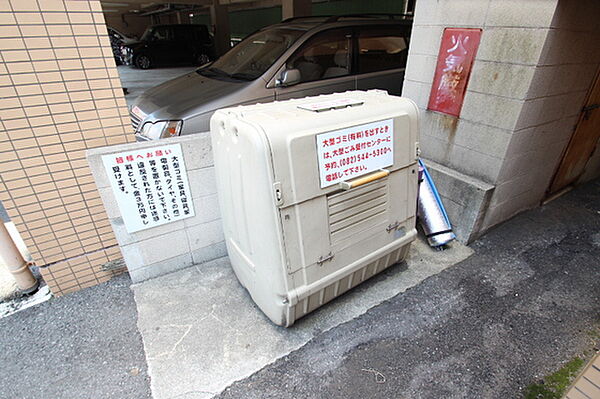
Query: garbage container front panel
point(293, 136)
point(249, 215)
point(320, 241)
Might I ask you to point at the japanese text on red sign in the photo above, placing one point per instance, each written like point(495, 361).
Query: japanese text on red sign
point(352, 152)
point(455, 59)
point(150, 186)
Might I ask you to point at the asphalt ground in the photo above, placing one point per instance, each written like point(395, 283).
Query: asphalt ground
point(83, 345)
point(527, 302)
point(523, 305)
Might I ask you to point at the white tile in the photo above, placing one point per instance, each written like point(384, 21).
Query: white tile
point(202, 181)
point(521, 141)
point(473, 163)
point(425, 40)
point(561, 47)
point(512, 45)
point(420, 68)
point(205, 234)
point(198, 154)
point(213, 251)
point(543, 110)
point(125, 238)
point(417, 91)
point(530, 13)
point(434, 149)
point(514, 187)
point(546, 81)
point(507, 80)
point(451, 12)
point(156, 249)
point(483, 139)
point(158, 269)
point(491, 110)
point(110, 202)
point(206, 209)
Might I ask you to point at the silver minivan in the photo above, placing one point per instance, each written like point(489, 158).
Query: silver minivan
point(296, 58)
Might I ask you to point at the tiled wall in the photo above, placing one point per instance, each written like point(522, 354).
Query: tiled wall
point(60, 94)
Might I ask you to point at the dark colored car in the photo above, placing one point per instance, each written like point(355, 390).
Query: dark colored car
point(170, 45)
point(296, 58)
point(117, 41)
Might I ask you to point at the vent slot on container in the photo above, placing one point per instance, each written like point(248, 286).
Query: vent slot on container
point(354, 211)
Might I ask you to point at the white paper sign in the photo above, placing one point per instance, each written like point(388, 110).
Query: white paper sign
point(150, 185)
point(348, 153)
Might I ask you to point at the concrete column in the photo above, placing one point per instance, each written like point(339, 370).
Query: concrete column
point(220, 24)
point(295, 8)
point(16, 265)
point(516, 118)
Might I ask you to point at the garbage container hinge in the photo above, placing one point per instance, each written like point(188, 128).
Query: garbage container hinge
point(278, 193)
point(323, 259)
point(393, 226)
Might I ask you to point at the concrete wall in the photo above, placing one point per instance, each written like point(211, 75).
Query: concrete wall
point(163, 249)
point(562, 77)
point(527, 84)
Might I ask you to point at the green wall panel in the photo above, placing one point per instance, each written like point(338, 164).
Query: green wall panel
point(357, 7)
point(242, 23)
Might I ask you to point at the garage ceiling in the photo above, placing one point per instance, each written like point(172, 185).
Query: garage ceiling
point(142, 6)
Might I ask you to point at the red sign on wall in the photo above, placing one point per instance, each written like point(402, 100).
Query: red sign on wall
point(457, 53)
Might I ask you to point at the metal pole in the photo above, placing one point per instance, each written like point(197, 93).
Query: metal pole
point(16, 265)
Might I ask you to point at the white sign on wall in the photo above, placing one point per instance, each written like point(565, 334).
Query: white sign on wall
point(150, 186)
point(351, 152)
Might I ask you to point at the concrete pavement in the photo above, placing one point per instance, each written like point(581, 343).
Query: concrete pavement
point(202, 332)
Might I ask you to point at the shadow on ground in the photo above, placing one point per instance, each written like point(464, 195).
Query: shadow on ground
point(523, 305)
point(83, 345)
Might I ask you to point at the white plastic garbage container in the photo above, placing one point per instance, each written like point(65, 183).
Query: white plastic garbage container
point(316, 194)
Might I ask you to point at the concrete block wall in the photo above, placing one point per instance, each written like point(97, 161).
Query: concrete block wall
point(565, 70)
point(475, 143)
point(170, 247)
point(521, 101)
point(465, 199)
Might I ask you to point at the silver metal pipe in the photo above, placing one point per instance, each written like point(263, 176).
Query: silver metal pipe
point(431, 215)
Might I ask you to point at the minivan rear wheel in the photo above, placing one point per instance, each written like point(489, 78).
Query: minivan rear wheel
point(143, 61)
